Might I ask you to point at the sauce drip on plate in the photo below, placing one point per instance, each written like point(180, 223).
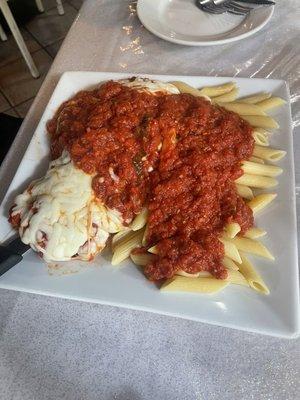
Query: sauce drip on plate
point(177, 153)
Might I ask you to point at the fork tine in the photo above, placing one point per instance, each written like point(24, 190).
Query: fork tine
point(235, 9)
point(220, 7)
point(213, 10)
point(239, 6)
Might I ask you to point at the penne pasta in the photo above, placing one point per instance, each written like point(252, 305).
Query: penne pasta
point(244, 191)
point(213, 91)
point(230, 264)
point(153, 250)
point(268, 153)
point(256, 160)
point(118, 237)
point(252, 168)
point(231, 250)
point(260, 138)
point(199, 285)
point(261, 201)
point(232, 229)
point(264, 131)
point(256, 98)
point(257, 181)
point(251, 246)
point(140, 220)
point(254, 233)
point(203, 274)
point(236, 278)
point(185, 88)
point(252, 276)
point(241, 108)
point(125, 246)
point(261, 121)
point(227, 97)
point(141, 259)
point(270, 103)
point(144, 240)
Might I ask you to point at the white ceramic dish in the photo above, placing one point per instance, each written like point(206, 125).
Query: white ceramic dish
point(99, 282)
point(180, 21)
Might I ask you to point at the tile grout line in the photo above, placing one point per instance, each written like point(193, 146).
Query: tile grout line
point(20, 58)
point(22, 102)
point(70, 4)
point(6, 98)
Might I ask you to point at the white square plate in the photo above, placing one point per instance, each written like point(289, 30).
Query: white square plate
point(236, 307)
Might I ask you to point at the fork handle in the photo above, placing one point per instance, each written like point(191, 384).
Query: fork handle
point(261, 2)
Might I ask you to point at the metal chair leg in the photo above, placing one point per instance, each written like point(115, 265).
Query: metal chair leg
point(18, 38)
point(40, 5)
point(2, 34)
point(60, 7)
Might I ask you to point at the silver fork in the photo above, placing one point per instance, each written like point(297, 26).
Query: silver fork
point(222, 6)
point(230, 6)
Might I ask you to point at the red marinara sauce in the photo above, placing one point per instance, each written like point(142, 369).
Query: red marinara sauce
point(179, 154)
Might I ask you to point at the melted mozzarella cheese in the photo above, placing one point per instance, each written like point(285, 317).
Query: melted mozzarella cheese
point(60, 216)
point(149, 85)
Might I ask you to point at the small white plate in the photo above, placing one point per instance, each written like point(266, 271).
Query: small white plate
point(125, 286)
point(180, 21)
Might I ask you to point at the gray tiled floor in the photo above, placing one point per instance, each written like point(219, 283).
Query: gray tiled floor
point(53, 48)
point(4, 104)
point(12, 112)
point(76, 3)
point(9, 50)
point(43, 35)
point(49, 27)
point(23, 108)
point(15, 79)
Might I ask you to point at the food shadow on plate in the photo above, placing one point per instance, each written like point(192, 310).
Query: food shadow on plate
point(39, 172)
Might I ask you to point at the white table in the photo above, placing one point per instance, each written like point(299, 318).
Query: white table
point(60, 349)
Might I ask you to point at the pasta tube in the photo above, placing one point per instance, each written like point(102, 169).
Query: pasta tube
point(141, 259)
point(256, 98)
point(230, 264)
point(203, 274)
point(268, 153)
point(252, 276)
point(264, 131)
point(270, 103)
point(118, 237)
point(242, 108)
point(251, 246)
point(256, 160)
point(185, 88)
point(124, 247)
point(140, 220)
point(262, 121)
point(153, 250)
point(257, 181)
point(232, 229)
point(254, 233)
point(244, 191)
point(261, 201)
point(250, 167)
point(260, 138)
point(231, 250)
point(236, 278)
point(227, 97)
point(144, 240)
point(213, 91)
point(199, 285)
